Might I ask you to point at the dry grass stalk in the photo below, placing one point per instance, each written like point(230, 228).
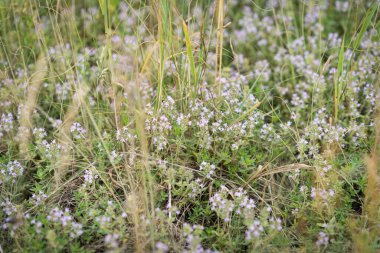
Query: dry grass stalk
point(265, 171)
point(139, 226)
point(219, 12)
point(64, 160)
point(372, 192)
point(26, 121)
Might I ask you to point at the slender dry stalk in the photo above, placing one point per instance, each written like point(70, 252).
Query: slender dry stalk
point(361, 238)
point(372, 192)
point(161, 10)
point(64, 160)
point(265, 171)
point(26, 120)
point(219, 45)
point(363, 235)
point(140, 198)
point(139, 226)
point(145, 187)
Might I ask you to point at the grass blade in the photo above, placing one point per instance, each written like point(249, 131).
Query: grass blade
point(190, 56)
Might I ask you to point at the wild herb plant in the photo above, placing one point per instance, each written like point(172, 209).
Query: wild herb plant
point(189, 126)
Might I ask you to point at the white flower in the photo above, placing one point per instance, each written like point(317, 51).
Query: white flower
point(161, 247)
point(323, 239)
point(111, 240)
point(254, 230)
point(77, 130)
point(11, 171)
point(208, 169)
point(89, 177)
point(275, 223)
point(39, 198)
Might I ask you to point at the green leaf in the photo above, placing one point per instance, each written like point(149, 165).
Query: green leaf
point(341, 60)
point(365, 25)
point(102, 4)
point(111, 5)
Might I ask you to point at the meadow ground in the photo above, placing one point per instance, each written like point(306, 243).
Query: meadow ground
point(189, 126)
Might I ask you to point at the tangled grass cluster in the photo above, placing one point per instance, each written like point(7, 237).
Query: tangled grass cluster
point(177, 126)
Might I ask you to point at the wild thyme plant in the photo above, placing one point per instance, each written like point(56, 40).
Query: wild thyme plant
point(201, 126)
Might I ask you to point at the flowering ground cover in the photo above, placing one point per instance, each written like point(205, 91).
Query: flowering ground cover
point(189, 126)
